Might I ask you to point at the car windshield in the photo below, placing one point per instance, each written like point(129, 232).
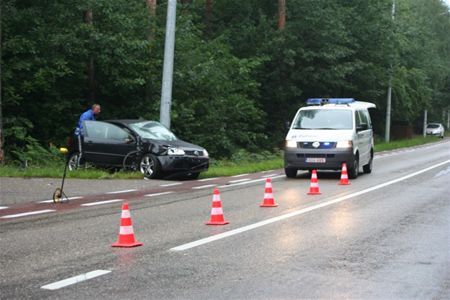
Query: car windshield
point(433, 126)
point(153, 130)
point(324, 119)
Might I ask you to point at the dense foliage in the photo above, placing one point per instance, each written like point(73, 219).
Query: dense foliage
point(238, 76)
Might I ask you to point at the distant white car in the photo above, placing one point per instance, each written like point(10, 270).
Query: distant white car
point(436, 129)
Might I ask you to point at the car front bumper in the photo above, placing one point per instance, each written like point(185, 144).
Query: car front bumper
point(172, 164)
point(296, 158)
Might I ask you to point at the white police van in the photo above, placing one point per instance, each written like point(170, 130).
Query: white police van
point(327, 133)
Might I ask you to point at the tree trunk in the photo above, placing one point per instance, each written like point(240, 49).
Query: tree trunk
point(281, 14)
point(88, 19)
point(208, 16)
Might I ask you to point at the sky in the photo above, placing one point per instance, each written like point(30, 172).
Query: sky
point(447, 2)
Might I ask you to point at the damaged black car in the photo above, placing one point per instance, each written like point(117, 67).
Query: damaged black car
point(141, 145)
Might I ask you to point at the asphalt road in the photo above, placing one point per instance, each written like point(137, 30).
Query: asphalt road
point(385, 236)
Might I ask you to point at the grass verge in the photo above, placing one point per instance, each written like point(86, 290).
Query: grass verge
point(217, 168)
point(398, 144)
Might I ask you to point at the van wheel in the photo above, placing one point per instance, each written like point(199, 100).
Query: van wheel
point(290, 173)
point(368, 168)
point(353, 171)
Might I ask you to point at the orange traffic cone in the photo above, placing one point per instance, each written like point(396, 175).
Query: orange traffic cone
point(216, 210)
point(126, 233)
point(344, 175)
point(268, 195)
point(314, 187)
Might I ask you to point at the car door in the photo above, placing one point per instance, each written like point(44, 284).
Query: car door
point(364, 137)
point(105, 143)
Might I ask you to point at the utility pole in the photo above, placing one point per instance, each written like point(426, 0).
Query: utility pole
point(425, 121)
point(169, 47)
point(448, 119)
point(387, 135)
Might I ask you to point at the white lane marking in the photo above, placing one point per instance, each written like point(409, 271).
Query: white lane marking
point(101, 202)
point(240, 175)
point(51, 200)
point(158, 194)
point(267, 171)
point(250, 181)
point(171, 184)
point(239, 180)
point(124, 191)
point(208, 179)
point(270, 175)
point(3, 207)
point(203, 186)
point(299, 212)
point(30, 213)
point(76, 279)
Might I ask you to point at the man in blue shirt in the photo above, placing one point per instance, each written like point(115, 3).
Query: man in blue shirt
point(88, 115)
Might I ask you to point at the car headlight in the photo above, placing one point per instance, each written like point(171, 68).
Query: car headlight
point(175, 151)
point(205, 153)
point(344, 144)
point(291, 144)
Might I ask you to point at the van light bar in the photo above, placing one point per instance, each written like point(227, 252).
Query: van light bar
point(323, 101)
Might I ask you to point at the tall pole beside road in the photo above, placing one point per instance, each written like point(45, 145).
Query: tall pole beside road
point(425, 121)
point(387, 135)
point(169, 47)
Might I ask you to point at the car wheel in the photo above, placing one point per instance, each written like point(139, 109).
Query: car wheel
point(353, 171)
point(368, 168)
point(290, 173)
point(73, 163)
point(149, 166)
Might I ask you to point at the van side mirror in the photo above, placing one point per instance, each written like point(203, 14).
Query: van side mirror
point(287, 125)
point(362, 126)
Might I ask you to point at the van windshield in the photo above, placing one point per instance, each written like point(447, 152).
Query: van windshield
point(332, 119)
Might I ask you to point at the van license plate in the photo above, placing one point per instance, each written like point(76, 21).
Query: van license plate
point(316, 159)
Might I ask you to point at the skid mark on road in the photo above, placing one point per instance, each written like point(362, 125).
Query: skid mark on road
point(300, 211)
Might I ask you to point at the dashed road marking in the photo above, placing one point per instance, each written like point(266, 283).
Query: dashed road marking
point(250, 181)
point(158, 194)
point(300, 211)
point(208, 179)
point(171, 184)
point(76, 279)
point(240, 175)
point(270, 175)
point(124, 191)
point(239, 180)
point(203, 186)
point(51, 200)
point(101, 202)
point(30, 213)
point(3, 207)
